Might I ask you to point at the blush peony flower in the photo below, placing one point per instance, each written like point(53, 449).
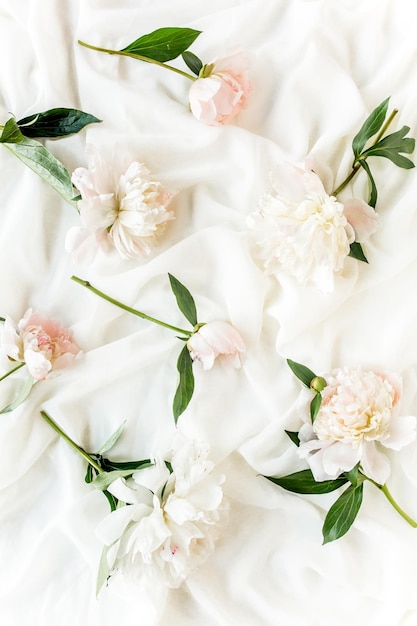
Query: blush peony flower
point(358, 417)
point(43, 344)
point(304, 231)
point(121, 208)
point(170, 522)
point(220, 92)
point(216, 340)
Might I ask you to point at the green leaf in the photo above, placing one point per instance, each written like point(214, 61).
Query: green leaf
point(304, 482)
point(105, 479)
point(126, 465)
point(293, 436)
point(302, 372)
point(373, 194)
point(37, 158)
point(21, 396)
point(192, 61)
point(103, 569)
point(370, 127)
point(342, 513)
point(163, 44)
point(185, 387)
point(57, 122)
point(184, 299)
point(392, 145)
point(356, 252)
point(112, 439)
point(111, 499)
point(315, 406)
point(353, 475)
point(89, 475)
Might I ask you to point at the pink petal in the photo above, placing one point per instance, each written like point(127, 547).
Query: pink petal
point(361, 217)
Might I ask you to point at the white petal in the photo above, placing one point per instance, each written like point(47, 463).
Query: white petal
point(402, 432)
point(340, 457)
point(374, 463)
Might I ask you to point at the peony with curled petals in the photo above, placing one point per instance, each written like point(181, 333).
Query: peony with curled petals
point(121, 207)
point(216, 340)
point(221, 90)
point(43, 344)
point(303, 231)
point(170, 522)
point(359, 416)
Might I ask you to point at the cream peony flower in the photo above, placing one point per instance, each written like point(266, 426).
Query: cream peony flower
point(304, 231)
point(216, 340)
point(220, 92)
point(170, 522)
point(121, 208)
point(43, 344)
point(358, 416)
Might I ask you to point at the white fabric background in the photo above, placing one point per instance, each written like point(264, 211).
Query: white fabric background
point(318, 68)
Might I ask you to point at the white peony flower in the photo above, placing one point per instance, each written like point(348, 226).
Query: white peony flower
point(358, 417)
point(170, 522)
point(304, 231)
point(214, 340)
point(121, 208)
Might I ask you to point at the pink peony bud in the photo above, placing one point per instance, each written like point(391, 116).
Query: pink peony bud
point(216, 339)
point(221, 91)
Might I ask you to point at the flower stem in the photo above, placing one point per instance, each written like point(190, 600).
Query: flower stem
point(140, 57)
point(72, 443)
point(129, 309)
point(394, 503)
point(12, 370)
point(356, 167)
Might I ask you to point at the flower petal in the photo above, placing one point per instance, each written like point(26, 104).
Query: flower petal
point(361, 217)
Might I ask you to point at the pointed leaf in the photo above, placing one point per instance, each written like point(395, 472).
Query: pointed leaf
point(126, 465)
point(37, 158)
point(342, 513)
point(103, 569)
point(304, 482)
point(192, 61)
point(373, 193)
point(315, 406)
point(105, 479)
point(112, 439)
point(302, 372)
point(356, 252)
point(57, 122)
point(392, 145)
point(21, 396)
point(111, 499)
point(184, 299)
point(370, 127)
point(185, 387)
point(89, 475)
point(163, 44)
point(293, 436)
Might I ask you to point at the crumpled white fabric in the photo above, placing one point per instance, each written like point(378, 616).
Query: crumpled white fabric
point(318, 68)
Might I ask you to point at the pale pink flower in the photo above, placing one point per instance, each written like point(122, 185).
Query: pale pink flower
point(220, 92)
point(358, 417)
point(305, 232)
point(43, 344)
point(216, 340)
point(121, 207)
point(170, 522)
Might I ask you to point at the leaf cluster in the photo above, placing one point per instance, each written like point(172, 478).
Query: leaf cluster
point(308, 379)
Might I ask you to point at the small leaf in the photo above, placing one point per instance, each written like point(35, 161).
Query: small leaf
point(112, 439)
point(342, 513)
point(21, 396)
point(184, 299)
point(126, 465)
point(55, 123)
point(37, 158)
point(302, 372)
point(192, 61)
point(392, 145)
point(111, 499)
point(163, 44)
point(315, 406)
point(89, 475)
point(353, 475)
point(356, 252)
point(373, 193)
point(304, 482)
point(293, 436)
point(185, 387)
point(105, 479)
point(370, 127)
point(103, 569)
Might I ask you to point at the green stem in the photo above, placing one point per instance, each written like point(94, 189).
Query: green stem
point(140, 57)
point(356, 166)
point(12, 370)
point(72, 443)
point(393, 502)
point(129, 309)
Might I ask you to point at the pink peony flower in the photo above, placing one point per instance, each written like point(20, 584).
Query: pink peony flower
point(120, 208)
point(43, 344)
point(216, 340)
point(220, 92)
point(358, 417)
point(304, 231)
